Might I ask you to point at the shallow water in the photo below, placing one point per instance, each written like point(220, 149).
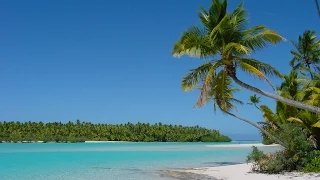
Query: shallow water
point(110, 161)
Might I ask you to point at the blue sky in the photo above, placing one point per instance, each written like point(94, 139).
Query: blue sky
point(111, 62)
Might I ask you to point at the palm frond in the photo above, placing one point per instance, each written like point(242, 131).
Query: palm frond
point(307, 117)
point(212, 17)
point(259, 40)
point(237, 49)
point(195, 76)
point(238, 18)
point(221, 93)
point(268, 114)
point(219, 28)
point(207, 84)
point(296, 120)
point(254, 71)
point(265, 68)
point(194, 43)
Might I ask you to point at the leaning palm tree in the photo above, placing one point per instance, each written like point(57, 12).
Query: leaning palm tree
point(306, 53)
point(318, 7)
point(297, 88)
point(225, 38)
point(222, 97)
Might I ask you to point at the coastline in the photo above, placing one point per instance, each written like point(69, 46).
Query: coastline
point(11, 142)
point(242, 145)
point(235, 172)
point(245, 144)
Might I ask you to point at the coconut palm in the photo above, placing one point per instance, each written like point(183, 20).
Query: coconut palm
point(290, 86)
point(222, 97)
point(306, 53)
point(255, 100)
point(225, 38)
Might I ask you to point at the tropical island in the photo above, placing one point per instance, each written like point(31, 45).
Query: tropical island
point(226, 43)
point(294, 124)
point(86, 131)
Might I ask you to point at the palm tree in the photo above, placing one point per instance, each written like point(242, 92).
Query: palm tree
point(292, 87)
point(225, 36)
point(306, 53)
point(222, 97)
point(311, 90)
point(255, 100)
point(318, 7)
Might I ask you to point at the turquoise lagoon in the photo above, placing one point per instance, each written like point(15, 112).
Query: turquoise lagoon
point(110, 161)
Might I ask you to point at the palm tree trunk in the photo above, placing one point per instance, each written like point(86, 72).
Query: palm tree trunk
point(310, 71)
point(286, 101)
point(257, 106)
point(260, 128)
point(316, 67)
point(318, 7)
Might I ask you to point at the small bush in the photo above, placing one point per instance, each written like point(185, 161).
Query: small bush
point(313, 166)
point(299, 153)
point(275, 164)
point(266, 163)
point(256, 157)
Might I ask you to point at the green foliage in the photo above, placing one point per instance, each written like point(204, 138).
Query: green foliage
point(226, 36)
point(85, 131)
point(266, 140)
point(256, 155)
point(265, 163)
point(306, 53)
point(314, 165)
point(214, 138)
point(300, 89)
point(296, 156)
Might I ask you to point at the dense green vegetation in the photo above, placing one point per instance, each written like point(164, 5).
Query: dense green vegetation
point(85, 131)
point(225, 43)
point(299, 153)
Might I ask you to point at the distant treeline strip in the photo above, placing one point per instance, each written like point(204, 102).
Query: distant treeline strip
point(86, 131)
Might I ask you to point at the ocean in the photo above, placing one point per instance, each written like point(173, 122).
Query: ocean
point(111, 161)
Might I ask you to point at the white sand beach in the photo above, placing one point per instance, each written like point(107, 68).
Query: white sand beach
point(243, 172)
point(242, 145)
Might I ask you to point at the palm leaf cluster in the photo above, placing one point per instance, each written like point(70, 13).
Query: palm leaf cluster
point(225, 42)
point(306, 55)
point(301, 89)
point(226, 38)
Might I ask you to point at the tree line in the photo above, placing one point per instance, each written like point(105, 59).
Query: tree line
point(86, 131)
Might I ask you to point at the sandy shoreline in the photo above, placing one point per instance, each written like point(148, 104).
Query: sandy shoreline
point(241, 145)
point(236, 172)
